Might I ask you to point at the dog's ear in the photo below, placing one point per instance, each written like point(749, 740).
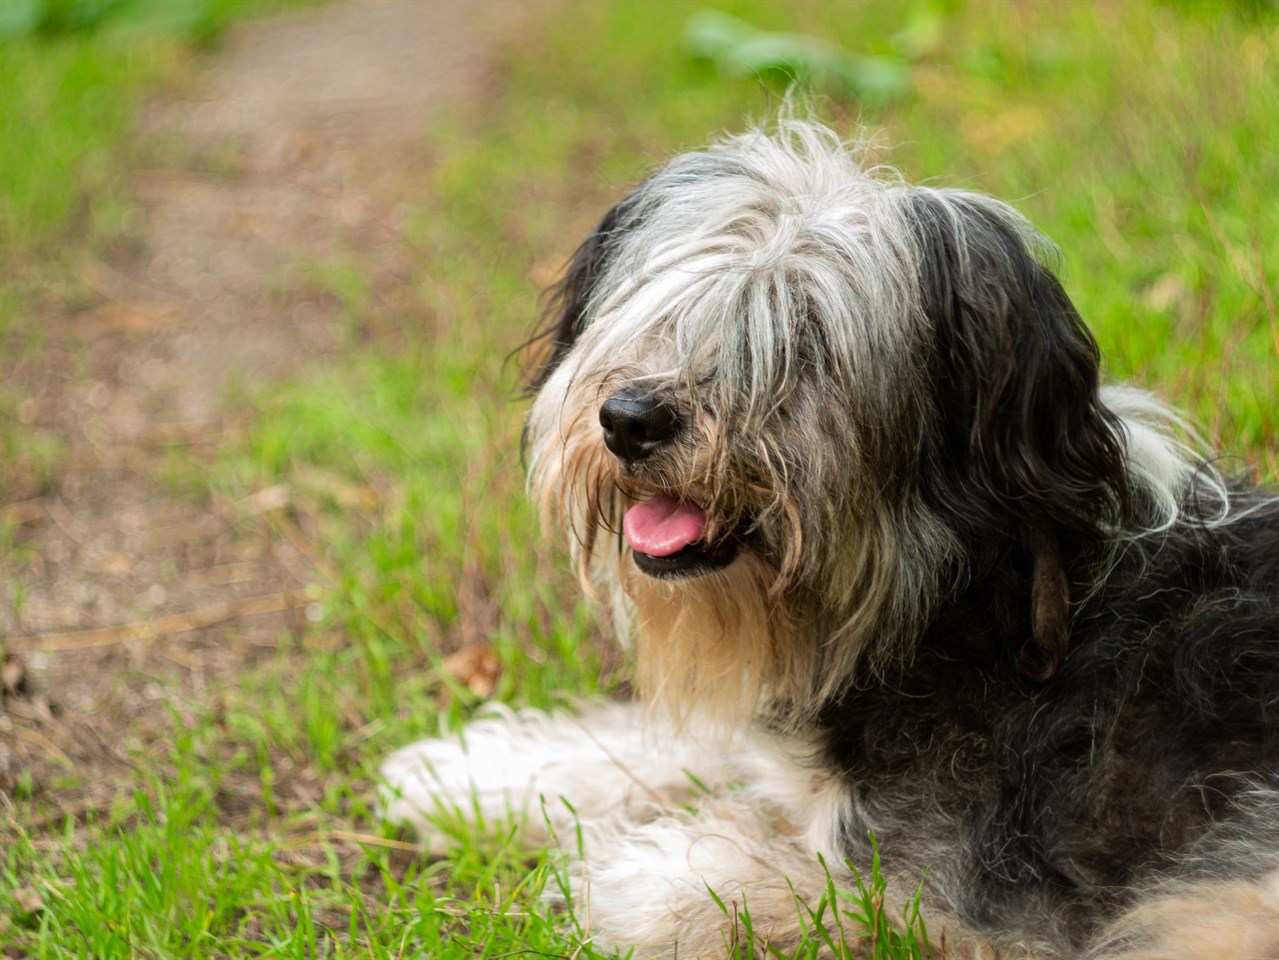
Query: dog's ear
point(567, 301)
point(1034, 465)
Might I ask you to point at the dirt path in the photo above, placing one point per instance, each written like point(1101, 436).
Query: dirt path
point(290, 152)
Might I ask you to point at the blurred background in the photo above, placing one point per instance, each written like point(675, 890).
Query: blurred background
point(263, 269)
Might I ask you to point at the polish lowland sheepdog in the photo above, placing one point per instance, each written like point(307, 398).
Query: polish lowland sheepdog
point(833, 452)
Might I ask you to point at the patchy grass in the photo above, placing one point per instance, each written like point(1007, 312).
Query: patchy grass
point(65, 117)
point(75, 74)
point(1136, 136)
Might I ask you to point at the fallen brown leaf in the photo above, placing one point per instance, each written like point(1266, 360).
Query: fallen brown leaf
point(475, 667)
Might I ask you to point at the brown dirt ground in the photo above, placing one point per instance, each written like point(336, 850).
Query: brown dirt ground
point(291, 148)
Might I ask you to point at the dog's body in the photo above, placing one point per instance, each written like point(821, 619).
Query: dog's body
point(834, 451)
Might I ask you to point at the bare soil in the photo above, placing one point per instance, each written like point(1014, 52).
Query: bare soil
point(138, 588)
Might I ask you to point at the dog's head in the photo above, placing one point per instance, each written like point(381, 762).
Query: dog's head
point(795, 406)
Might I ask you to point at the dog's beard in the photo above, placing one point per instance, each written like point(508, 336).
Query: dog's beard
point(745, 642)
point(708, 646)
point(710, 640)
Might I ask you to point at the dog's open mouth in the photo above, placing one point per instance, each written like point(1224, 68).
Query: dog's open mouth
point(667, 537)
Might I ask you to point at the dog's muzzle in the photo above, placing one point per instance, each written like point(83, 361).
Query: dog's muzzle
point(666, 533)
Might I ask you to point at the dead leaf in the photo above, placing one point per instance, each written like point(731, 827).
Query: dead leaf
point(23, 511)
point(1166, 292)
point(475, 667)
point(347, 495)
point(303, 146)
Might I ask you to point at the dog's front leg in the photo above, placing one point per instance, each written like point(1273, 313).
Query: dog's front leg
point(547, 770)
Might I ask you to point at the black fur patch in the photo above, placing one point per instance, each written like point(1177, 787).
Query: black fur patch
point(1022, 456)
point(1051, 799)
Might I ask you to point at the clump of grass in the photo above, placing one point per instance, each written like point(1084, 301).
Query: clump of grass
point(887, 940)
point(845, 921)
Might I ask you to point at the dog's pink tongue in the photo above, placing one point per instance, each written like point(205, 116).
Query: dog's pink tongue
point(663, 525)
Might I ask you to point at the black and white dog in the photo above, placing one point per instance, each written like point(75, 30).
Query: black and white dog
point(833, 451)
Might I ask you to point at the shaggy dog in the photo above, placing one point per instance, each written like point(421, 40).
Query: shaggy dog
point(833, 451)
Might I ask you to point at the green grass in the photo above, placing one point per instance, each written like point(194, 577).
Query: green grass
point(848, 918)
point(1137, 136)
point(172, 882)
point(74, 74)
point(65, 117)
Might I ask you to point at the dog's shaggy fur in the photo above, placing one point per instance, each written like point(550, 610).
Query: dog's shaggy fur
point(894, 561)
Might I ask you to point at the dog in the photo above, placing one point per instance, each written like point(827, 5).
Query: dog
point(902, 578)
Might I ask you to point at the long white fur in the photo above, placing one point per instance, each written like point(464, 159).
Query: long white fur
point(543, 771)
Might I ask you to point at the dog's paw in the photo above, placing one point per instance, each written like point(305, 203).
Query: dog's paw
point(649, 885)
point(485, 775)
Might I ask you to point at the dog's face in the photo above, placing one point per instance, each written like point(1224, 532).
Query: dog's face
point(794, 405)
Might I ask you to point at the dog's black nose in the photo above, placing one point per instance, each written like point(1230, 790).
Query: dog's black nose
point(636, 424)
